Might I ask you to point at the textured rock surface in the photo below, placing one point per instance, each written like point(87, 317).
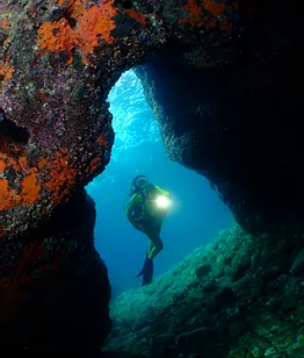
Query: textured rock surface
point(238, 297)
point(58, 61)
point(241, 125)
point(54, 291)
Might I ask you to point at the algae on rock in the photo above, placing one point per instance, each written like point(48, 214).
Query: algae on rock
point(234, 298)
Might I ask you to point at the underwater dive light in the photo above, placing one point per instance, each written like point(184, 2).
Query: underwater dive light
point(162, 201)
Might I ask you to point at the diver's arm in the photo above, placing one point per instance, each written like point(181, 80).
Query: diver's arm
point(163, 192)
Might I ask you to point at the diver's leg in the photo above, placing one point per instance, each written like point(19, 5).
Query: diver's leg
point(151, 246)
point(152, 230)
point(157, 247)
point(147, 270)
point(154, 236)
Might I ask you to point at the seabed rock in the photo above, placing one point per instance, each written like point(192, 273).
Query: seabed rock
point(231, 311)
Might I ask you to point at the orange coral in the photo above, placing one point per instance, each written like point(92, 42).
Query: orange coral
point(6, 71)
point(8, 197)
point(141, 18)
point(4, 24)
point(94, 163)
point(2, 166)
point(70, 2)
point(216, 9)
point(57, 36)
point(62, 177)
point(8, 151)
point(7, 148)
point(3, 188)
point(61, 171)
point(61, 2)
point(94, 23)
point(43, 162)
point(23, 162)
point(196, 11)
point(31, 188)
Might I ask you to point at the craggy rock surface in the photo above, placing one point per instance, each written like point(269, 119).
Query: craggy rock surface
point(241, 125)
point(58, 61)
point(54, 288)
point(239, 297)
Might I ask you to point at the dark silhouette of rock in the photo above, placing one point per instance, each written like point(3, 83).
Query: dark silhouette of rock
point(241, 125)
point(56, 297)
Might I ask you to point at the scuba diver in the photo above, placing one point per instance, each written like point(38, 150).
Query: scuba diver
point(145, 210)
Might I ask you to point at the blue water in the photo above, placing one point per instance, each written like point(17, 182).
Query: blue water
point(195, 217)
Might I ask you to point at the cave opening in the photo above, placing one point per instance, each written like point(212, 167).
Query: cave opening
point(196, 216)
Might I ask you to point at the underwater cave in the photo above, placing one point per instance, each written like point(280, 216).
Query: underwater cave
point(212, 111)
point(196, 213)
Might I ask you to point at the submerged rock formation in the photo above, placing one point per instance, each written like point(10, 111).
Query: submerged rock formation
point(241, 125)
point(58, 61)
point(239, 297)
point(54, 288)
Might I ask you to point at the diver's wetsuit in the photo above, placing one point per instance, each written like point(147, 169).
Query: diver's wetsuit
point(145, 216)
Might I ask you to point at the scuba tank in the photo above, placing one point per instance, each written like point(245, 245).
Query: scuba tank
point(138, 213)
point(143, 188)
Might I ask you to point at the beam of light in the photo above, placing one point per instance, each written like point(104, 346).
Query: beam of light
point(162, 201)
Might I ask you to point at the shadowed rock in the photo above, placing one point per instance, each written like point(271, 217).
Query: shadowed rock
point(259, 315)
point(241, 125)
point(54, 288)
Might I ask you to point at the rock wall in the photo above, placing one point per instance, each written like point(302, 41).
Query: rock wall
point(238, 297)
point(58, 61)
point(54, 296)
point(241, 125)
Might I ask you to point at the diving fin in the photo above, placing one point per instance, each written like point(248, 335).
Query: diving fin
point(147, 271)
